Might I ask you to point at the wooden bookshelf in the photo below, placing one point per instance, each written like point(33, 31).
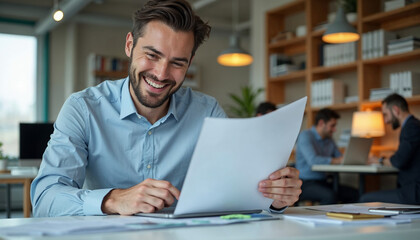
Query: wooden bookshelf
point(335, 69)
point(392, 59)
point(293, 76)
point(368, 72)
point(396, 19)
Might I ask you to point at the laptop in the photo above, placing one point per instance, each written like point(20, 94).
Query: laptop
point(230, 158)
point(357, 151)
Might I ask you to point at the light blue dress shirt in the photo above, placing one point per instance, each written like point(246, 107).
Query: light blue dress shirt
point(100, 143)
point(312, 149)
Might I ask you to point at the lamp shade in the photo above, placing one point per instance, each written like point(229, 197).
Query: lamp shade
point(234, 56)
point(367, 124)
point(340, 30)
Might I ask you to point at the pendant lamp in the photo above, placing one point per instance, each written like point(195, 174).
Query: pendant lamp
point(340, 30)
point(234, 56)
point(58, 14)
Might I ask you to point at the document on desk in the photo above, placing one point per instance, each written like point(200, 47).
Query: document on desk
point(233, 155)
point(104, 224)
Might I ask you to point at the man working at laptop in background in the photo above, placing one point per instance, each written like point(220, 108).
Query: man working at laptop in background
point(129, 142)
point(316, 146)
point(406, 158)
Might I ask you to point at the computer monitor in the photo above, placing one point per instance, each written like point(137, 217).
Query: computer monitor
point(33, 139)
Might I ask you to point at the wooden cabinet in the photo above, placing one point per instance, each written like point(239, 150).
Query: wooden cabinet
point(361, 75)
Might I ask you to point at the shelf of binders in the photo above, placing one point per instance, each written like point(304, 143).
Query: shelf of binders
point(392, 59)
point(396, 19)
point(290, 77)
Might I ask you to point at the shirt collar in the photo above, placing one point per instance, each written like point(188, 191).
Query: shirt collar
point(128, 108)
point(409, 116)
point(127, 105)
point(317, 136)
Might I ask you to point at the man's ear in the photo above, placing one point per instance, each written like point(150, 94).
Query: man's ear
point(396, 111)
point(129, 44)
point(321, 123)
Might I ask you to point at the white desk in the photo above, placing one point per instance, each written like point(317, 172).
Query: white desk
point(362, 170)
point(275, 229)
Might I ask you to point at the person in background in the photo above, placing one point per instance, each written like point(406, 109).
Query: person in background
point(316, 146)
point(264, 108)
point(124, 146)
point(406, 158)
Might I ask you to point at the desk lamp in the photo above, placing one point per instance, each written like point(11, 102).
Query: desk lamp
point(368, 124)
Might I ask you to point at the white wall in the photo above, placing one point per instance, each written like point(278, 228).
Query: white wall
point(258, 46)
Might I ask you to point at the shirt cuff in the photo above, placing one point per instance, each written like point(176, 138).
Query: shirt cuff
point(277, 210)
point(93, 202)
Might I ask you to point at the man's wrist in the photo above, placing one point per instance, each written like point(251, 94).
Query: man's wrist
point(277, 209)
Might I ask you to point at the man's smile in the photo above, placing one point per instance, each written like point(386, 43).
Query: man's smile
point(152, 83)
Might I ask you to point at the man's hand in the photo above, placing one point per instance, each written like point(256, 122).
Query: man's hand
point(148, 196)
point(337, 160)
point(283, 186)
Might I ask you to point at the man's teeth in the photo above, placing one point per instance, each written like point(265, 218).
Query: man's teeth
point(153, 84)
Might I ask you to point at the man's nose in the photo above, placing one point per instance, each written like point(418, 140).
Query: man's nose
point(162, 70)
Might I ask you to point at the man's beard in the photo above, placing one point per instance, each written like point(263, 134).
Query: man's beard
point(395, 123)
point(145, 100)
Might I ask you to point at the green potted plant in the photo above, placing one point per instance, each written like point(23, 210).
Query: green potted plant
point(245, 104)
point(350, 8)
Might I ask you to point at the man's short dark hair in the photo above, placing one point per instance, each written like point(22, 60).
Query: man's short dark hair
point(396, 100)
point(265, 107)
point(326, 115)
point(177, 14)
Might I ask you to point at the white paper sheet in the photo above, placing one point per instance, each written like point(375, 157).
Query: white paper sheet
point(233, 155)
point(320, 220)
point(89, 225)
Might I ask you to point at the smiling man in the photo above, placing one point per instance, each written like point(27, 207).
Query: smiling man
point(124, 146)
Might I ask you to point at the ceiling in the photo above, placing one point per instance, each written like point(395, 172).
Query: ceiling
point(118, 12)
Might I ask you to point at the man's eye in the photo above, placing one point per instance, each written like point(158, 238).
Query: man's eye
point(151, 56)
point(176, 64)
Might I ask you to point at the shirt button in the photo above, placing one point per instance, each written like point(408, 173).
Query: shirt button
point(148, 166)
point(150, 133)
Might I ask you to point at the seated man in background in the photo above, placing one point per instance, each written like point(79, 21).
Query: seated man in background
point(264, 108)
point(406, 158)
point(316, 146)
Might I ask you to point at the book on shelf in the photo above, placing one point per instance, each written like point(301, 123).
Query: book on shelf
point(406, 83)
point(374, 43)
point(403, 45)
point(394, 4)
point(351, 99)
point(379, 93)
point(281, 64)
point(338, 54)
point(327, 92)
point(108, 66)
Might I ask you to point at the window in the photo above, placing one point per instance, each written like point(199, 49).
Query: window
point(17, 87)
